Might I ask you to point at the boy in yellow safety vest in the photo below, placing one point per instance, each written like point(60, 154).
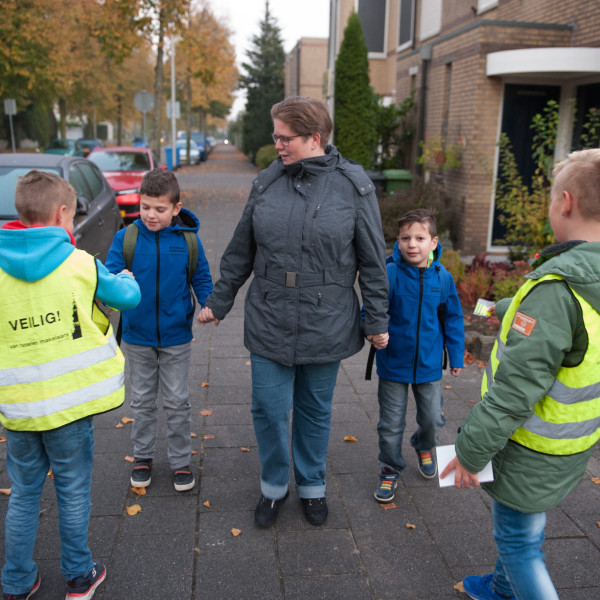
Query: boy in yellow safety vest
point(539, 418)
point(60, 366)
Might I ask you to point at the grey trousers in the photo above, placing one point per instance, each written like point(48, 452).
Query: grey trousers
point(149, 366)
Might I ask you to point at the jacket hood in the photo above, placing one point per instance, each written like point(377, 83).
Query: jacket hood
point(184, 221)
point(316, 164)
point(397, 255)
point(578, 264)
point(31, 254)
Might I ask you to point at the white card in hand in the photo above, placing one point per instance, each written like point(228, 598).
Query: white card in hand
point(445, 454)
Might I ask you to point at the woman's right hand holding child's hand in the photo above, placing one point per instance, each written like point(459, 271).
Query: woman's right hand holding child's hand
point(206, 316)
point(127, 272)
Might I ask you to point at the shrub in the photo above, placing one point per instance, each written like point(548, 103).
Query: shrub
point(266, 155)
point(474, 284)
point(506, 284)
point(456, 267)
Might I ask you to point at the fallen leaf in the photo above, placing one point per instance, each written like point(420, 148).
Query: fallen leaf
point(389, 506)
point(2, 439)
point(126, 420)
point(50, 474)
point(205, 384)
point(598, 523)
point(208, 436)
point(5, 491)
point(473, 401)
point(459, 587)
point(248, 363)
point(447, 387)
point(207, 504)
point(134, 509)
point(596, 480)
point(140, 491)
point(119, 426)
point(193, 339)
point(243, 449)
point(193, 435)
point(130, 459)
point(196, 549)
point(206, 413)
point(236, 532)
point(482, 364)
point(410, 526)
point(469, 358)
point(194, 452)
point(350, 438)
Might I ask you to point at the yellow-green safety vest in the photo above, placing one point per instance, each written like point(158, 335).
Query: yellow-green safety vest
point(567, 419)
point(60, 361)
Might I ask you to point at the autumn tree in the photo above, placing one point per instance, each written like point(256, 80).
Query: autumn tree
point(355, 125)
point(264, 83)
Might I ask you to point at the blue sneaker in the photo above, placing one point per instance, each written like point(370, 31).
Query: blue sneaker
point(388, 480)
point(480, 588)
point(26, 595)
point(83, 587)
point(427, 464)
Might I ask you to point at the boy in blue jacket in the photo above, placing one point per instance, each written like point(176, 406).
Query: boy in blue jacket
point(158, 333)
point(425, 314)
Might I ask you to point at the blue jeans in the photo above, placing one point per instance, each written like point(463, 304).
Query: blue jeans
point(520, 568)
point(393, 399)
point(68, 451)
point(169, 366)
point(308, 390)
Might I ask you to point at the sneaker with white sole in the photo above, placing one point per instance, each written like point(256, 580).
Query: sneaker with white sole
point(183, 479)
point(388, 480)
point(141, 476)
point(83, 587)
point(427, 465)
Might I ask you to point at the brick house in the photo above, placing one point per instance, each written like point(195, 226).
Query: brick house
point(304, 68)
point(480, 68)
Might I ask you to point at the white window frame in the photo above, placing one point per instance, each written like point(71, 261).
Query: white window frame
point(379, 55)
point(410, 41)
point(485, 5)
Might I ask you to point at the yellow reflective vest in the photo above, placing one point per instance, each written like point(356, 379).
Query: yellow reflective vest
point(567, 419)
point(60, 361)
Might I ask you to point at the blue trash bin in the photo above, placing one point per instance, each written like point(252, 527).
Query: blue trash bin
point(169, 156)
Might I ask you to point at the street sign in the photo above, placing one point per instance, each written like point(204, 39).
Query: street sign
point(144, 101)
point(177, 116)
point(10, 106)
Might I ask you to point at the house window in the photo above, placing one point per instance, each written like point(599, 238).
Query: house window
point(406, 24)
point(373, 17)
point(431, 18)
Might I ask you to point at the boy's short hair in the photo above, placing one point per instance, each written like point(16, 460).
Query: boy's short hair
point(160, 182)
point(579, 174)
point(38, 194)
point(419, 215)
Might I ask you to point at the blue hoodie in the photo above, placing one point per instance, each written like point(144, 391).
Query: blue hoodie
point(164, 317)
point(415, 350)
point(31, 253)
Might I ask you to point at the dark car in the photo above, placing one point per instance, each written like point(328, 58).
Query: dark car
point(61, 146)
point(97, 218)
point(200, 139)
point(124, 167)
point(85, 145)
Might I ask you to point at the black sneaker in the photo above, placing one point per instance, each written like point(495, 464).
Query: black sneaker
point(266, 511)
point(315, 510)
point(26, 595)
point(141, 476)
point(83, 588)
point(183, 479)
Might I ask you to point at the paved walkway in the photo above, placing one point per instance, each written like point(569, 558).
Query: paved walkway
point(181, 547)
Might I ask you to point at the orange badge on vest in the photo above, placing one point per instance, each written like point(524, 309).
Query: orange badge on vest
point(524, 324)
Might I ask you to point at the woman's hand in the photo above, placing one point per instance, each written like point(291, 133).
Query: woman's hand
point(379, 340)
point(206, 316)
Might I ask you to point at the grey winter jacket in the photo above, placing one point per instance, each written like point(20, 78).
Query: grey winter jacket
point(306, 230)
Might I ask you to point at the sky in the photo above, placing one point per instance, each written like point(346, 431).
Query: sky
point(296, 19)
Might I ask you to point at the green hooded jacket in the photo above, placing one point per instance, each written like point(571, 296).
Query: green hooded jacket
point(526, 480)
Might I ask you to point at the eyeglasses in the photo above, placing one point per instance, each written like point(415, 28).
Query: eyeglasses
point(285, 140)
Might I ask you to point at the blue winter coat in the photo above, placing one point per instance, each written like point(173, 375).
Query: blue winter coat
point(164, 317)
point(415, 350)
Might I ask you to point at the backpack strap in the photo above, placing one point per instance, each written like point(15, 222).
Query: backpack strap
point(191, 241)
point(129, 242)
point(392, 274)
point(441, 309)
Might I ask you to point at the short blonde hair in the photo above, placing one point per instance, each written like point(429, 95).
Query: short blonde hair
point(39, 194)
point(579, 174)
point(305, 116)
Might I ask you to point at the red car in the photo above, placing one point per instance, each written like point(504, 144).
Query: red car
point(123, 167)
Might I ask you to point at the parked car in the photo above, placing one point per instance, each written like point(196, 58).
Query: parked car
point(124, 167)
point(181, 146)
point(142, 141)
point(61, 146)
point(97, 218)
point(200, 139)
point(83, 146)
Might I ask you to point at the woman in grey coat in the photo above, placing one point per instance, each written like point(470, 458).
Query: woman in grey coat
point(311, 222)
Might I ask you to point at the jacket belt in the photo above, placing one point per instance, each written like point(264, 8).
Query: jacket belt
point(293, 279)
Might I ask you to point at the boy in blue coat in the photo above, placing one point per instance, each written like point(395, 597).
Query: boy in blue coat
point(419, 328)
point(158, 333)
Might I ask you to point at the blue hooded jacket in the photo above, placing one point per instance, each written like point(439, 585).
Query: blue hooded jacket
point(415, 350)
point(164, 317)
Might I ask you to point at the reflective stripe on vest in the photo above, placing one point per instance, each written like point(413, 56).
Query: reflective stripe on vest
point(60, 360)
point(567, 419)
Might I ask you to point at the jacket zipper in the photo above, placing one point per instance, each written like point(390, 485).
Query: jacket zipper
point(157, 288)
point(418, 324)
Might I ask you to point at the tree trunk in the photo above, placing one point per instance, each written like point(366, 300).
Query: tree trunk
point(62, 109)
point(158, 85)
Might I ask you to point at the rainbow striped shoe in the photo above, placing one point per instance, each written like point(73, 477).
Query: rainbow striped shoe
point(427, 464)
point(388, 480)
